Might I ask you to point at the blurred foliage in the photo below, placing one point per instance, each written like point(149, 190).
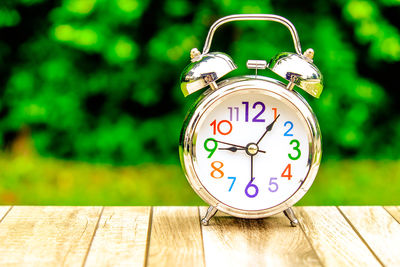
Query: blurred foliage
point(38, 181)
point(98, 81)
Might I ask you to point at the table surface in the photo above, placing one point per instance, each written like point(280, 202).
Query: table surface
point(173, 236)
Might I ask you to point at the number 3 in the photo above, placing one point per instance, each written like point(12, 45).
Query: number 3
point(296, 148)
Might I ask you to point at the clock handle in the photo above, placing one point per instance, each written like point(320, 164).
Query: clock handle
point(241, 17)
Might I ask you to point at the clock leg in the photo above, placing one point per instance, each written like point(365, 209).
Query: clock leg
point(290, 214)
point(210, 213)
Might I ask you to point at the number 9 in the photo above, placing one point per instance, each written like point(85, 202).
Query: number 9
point(213, 148)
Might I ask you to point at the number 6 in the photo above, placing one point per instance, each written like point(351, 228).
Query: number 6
point(246, 191)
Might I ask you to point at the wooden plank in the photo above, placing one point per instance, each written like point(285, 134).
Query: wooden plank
point(121, 237)
point(50, 236)
point(379, 229)
point(394, 211)
point(3, 211)
point(333, 238)
point(175, 237)
point(230, 241)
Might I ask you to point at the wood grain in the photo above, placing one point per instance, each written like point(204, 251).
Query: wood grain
point(333, 238)
point(230, 241)
point(394, 211)
point(3, 211)
point(175, 237)
point(50, 236)
point(378, 229)
point(121, 237)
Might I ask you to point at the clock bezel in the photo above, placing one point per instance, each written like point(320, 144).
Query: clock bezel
point(201, 108)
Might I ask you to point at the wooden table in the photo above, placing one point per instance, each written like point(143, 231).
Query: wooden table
point(173, 236)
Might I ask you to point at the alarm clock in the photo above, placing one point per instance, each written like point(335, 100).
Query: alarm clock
point(250, 146)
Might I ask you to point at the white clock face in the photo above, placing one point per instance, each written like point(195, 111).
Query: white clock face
point(251, 151)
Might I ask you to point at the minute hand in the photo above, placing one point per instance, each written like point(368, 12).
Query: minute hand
point(229, 144)
point(269, 128)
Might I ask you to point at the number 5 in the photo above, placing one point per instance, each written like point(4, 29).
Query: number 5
point(274, 184)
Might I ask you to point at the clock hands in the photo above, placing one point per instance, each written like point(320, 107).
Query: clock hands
point(229, 144)
point(269, 128)
point(251, 168)
point(232, 148)
point(251, 148)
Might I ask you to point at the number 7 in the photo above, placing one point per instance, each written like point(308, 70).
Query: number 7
point(234, 180)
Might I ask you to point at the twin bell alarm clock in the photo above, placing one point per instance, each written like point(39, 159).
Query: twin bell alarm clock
point(251, 145)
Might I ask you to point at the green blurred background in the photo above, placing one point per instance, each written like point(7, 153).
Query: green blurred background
point(91, 108)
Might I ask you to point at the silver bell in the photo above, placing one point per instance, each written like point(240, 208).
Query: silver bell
point(204, 70)
point(299, 70)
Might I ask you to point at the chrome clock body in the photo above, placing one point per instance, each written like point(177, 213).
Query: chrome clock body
point(245, 85)
point(238, 99)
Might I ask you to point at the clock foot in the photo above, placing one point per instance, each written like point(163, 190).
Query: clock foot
point(210, 213)
point(290, 214)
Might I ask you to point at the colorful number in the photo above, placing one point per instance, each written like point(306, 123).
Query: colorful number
point(256, 119)
point(231, 113)
point(234, 180)
point(246, 113)
point(288, 170)
point(274, 184)
point(217, 169)
point(296, 148)
point(211, 150)
point(290, 128)
point(217, 127)
point(246, 190)
point(275, 112)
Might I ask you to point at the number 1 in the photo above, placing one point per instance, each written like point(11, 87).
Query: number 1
point(275, 112)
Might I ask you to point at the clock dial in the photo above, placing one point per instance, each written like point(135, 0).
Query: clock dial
point(252, 149)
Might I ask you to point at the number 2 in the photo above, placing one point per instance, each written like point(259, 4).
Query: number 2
point(256, 119)
point(290, 128)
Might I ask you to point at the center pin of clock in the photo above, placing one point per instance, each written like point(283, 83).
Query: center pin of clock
point(252, 149)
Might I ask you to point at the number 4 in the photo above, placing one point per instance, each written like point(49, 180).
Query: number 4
point(288, 172)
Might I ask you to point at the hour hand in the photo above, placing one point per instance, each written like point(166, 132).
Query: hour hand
point(232, 148)
point(269, 128)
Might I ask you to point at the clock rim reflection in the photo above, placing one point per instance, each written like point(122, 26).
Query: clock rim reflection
point(248, 84)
